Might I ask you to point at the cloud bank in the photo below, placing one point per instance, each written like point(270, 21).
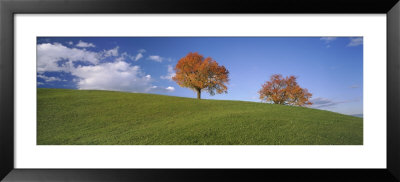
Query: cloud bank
point(92, 72)
point(155, 58)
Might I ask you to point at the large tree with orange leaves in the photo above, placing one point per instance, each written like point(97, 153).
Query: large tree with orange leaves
point(198, 73)
point(284, 91)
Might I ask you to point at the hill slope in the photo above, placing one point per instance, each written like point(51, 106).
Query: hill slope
point(106, 117)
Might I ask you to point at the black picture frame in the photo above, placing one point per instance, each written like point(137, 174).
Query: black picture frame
point(8, 8)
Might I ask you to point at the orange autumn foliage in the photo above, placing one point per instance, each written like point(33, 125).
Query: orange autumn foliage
point(198, 73)
point(284, 91)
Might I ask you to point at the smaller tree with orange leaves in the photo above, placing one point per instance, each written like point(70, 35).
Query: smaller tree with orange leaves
point(284, 91)
point(198, 73)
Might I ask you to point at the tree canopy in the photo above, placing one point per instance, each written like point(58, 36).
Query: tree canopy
point(286, 91)
point(198, 73)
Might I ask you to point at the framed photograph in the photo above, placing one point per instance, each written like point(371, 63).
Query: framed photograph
point(199, 91)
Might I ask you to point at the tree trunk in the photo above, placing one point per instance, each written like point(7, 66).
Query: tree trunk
point(198, 93)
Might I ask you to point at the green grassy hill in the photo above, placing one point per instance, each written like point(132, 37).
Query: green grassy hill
point(117, 118)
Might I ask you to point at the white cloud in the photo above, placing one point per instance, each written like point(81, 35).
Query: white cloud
point(123, 57)
point(355, 42)
point(111, 52)
point(49, 79)
point(113, 76)
point(162, 89)
point(138, 56)
point(170, 73)
point(56, 57)
point(327, 39)
point(84, 44)
point(116, 75)
point(155, 58)
point(170, 88)
point(70, 43)
point(126, 55)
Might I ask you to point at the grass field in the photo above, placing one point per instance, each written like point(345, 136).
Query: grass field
point(86, 117)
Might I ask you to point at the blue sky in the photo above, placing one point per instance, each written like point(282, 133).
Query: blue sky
point(331, 68)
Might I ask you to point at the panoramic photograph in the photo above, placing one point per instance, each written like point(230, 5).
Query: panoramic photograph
point(199, 90)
